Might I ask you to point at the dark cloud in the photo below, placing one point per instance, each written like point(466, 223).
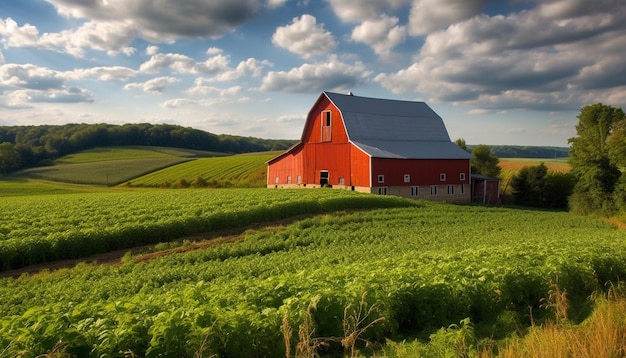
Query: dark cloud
point(167, 19)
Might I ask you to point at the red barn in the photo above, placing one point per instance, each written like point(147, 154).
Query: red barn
point(377, 146)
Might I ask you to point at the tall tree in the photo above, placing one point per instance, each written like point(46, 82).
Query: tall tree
point(594, 156)
point(485, 161)
point(9, 157)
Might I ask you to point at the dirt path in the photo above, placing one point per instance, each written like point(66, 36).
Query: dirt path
point(147, 252)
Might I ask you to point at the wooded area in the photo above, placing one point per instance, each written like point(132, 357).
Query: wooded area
point(26, 146)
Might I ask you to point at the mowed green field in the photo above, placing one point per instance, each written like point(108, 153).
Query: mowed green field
point(243, 170)
point(110, 165)
point(373, 276)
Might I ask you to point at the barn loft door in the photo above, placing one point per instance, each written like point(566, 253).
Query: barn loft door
point(324, 177)
point(326, 125)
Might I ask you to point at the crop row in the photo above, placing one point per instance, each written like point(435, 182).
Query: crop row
point(47, 228)
point(415, 268)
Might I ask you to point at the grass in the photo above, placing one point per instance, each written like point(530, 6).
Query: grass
point(601, 335)
point(245, 170)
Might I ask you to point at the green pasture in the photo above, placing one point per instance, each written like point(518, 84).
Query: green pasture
point(243, 170)
point(373, 276)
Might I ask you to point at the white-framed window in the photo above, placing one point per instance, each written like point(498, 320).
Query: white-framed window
point(462, 188)
point(462, 177)
point(381, 178)
point(289, 179)
point(442, 176)
point(433, 190)
point(276, 180)
point(415, 190)
point(450, 189)
point(299, 179)
point(382, 190)
point(407, 178)
point(342, 181)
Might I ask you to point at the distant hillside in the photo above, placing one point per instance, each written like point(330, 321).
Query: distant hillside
point(234, 171)
point(33, 145)
point(111, 165)
point(518, 151)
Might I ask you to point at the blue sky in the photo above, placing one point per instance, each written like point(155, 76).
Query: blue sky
point(498, 72)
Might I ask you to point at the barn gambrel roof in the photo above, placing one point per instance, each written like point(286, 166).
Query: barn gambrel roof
point(385, 128)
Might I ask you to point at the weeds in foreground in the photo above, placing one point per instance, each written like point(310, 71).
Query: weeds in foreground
point(601, 335)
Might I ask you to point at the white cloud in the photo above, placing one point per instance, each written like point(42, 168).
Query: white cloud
point(112, 37)
point(184, 64)
point(117, 73)
point(430, 15)
point(155, 85)
point(213, 51)
point(381, 34)
point(526, 60)
point(152, 50)
point(328, 75)
point(14, 35)
point(29, 76)
point(304, 37)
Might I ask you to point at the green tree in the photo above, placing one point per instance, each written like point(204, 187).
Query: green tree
point(485, 161)
point(595, 154)
point(9, 157)
point(536, 186)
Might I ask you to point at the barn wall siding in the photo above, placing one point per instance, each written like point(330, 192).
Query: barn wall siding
point(421, 171)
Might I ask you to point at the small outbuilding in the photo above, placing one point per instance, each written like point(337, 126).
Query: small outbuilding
point(485, 190)
point(373, 145)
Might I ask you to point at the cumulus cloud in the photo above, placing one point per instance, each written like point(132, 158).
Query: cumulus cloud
point(553, 57)
point(431, 15)
point(30, 77)
point(113, 25)
point(112, 37)
point(155, 85)
point(184, 64)
point(310, 78)
point(304, 37)
point(381, 34)
point(117, 73)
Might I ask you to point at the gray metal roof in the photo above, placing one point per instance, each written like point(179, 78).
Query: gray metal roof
point(385, 128)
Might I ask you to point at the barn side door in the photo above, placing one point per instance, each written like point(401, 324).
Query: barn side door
point(324, 177)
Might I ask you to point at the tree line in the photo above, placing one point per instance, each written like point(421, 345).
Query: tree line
point(26, 146)
point(596, 183)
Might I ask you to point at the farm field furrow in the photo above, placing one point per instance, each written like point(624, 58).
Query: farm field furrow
point(414, 269)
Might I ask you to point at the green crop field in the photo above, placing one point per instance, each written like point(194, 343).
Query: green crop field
point(111, 165)
point(372, 276)
point(131, 152)
point(36, 229)
point(244, 170)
